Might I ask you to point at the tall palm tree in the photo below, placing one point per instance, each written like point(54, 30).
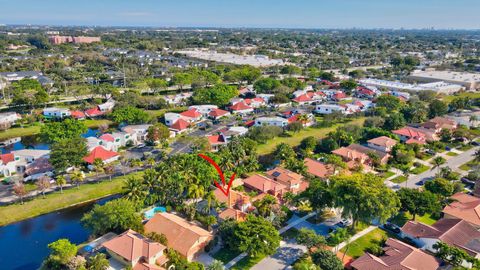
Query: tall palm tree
point(437, 161)
point(77, 177)
point(98, 165)
point(134, 189)
point(211, 199)
point(61, 181)
point(195, 191)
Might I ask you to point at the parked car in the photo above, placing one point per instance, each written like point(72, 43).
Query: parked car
point(392, 227)
point(475, 143)
point(467, 181)
point(430, 152)
point(344, 223)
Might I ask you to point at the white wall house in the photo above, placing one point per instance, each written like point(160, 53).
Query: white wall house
point(203, 109)
point(56, 113)
point(329, 108)
point(171, 118)
point(107, 106)
point(7, 119)
point(137, 132)
point(271, 121)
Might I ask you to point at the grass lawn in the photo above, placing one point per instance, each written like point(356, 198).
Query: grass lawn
point(358, 247)
point(399, 179)
point(403, 217)
point(387, 174)
point(56, 200)
point(247, 262)
point(470, 95)
point(296, 138)
point(452, 154)
point(30, 187)
point(93, 123)
point(469, 165)
point(225, 255)
point(19, 132)
point(420, 169)
point(465, 147)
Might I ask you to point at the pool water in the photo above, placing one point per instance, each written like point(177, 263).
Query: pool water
point(150, 213)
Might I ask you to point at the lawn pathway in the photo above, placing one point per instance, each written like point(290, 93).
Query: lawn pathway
point(355, 237)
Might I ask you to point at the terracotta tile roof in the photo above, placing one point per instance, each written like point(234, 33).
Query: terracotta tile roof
point(107, 137)
point(319, 169)
point(7, 158)
point(217, 112)
point(398, 256)
point(263, 184)
point(216, 139)
point(180, 125)
point(77, 114)
point(240, 106)
point(284, 176)
point(101, 153)
point(455, 232)
point(339, 95)
point(383, 141)
point(133, 246)
point(366, 150)
point(234, 199)
point(464, 207)
point(410, 133)
point(192, 113)
point(181, 234)
point(303, 98)
point(234, 214)
point(350, 154)
point(94, 112)
point(145, 266)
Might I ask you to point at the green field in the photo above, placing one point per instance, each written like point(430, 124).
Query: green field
point(420, 169)
point(399, 179)
point(358, 247)
point(19, 132)
point(296, 138)
point(470, 95)
point(247, 263)
point(403, 217)
point(56, 200)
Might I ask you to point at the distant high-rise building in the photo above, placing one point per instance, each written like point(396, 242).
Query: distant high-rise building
point(56, 39)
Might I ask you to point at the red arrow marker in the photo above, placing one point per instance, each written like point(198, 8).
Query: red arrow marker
point(220, 173)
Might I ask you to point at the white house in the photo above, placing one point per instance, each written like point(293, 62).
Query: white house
point(330, 108)
point(107, 106)
point(56, 113)
point(138, 133)
point(8, 164)
point(203, 109)
point(241, 108)
point(7, 119)
point(271, 121)
point(171, 118)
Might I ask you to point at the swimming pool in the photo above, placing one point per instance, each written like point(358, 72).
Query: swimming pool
point(151, 212)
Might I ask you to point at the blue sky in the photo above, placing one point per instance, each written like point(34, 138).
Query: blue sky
point(443, 14)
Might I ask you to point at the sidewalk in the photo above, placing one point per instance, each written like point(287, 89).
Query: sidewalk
point(355, 237)
point(282, 243)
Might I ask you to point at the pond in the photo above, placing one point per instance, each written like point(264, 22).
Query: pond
point(34, 142)
point(23, 245)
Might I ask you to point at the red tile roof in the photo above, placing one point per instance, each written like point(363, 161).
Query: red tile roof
point(410, 133)
point(284, 176)
point(319, 169)
point(192, 113)
point(180, 125)
point(240, 106)
point(303, 98)
point(107, 137)
point(217, 112)
point(398, 255)
point(339, 95)
point(464, 207)
point(263, 184)
point(234, 214)
point(7, 158)
point(94, 112)
point(216, 139)
point(383, 141)
point(77, 114)
point(101, 153)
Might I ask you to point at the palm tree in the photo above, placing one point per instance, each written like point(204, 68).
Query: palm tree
point(20, 191)
point(406, 173)
point(77, 177)
point(437, 161)
point(109, 170)
point(61, 181)
point(195, 191)
point(211, 199)
point(98, 165)
point(43, 183)
point(134, 189)
point(264, 206)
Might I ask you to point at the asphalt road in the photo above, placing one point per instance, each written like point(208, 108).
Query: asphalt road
point(285, 256)
point(453, 163)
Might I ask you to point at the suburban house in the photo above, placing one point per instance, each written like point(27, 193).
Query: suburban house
point(38, 168)
point(101, 153)
point(7, 119)
point(360, 153)
point(293, 181)
point(171, 118)
point(179, 126)
point(216, 114)
point(309, 121)
point(330, 108)
point(137, 133)
point(101, 109)
point(256, 102)
point(409, 135)
point(454, 232)
point(271, 121)
point(230, 132)
point(132, 249)
point(191, 115)
point(241, 108)
point(382, 143)
point(185, 237)
point(31, 160)
point(397, 255)
point(79, 115)
point(235, 199)
point(178, 99)
point(216, 141)
point(20, 75)
point(8, 165)
point(203, 109)
point(319, 169)
point(465, 207)
point(231, 213)
point(438, 123)
point(264, 184)
point(56, 113)
point(339, 96)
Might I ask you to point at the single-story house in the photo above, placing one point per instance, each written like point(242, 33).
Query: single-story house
point(56, 113)
point(7, 119)
point(319, 169)
point(241, 108)
point(216, 141)
point(330, 108)
point(409, 135)
point(101, 153)
point(216, 114)
point(185, 237)
point(271, 121)
point(465, 207)
point(382, 143)
point(203, 109)
point(438, 123)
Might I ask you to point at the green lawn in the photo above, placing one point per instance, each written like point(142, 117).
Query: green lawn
point(387, 174)
point(469, 165)
point(94, 123)
point(403, 217)
point(247, 262)
point(19, 132)
point(465, 147)
point(420, 169)
point(225, 255)
point(358, 247)
point(55, 201)
point(399, 179)
point(452, 154)
point(470, 95)
point(296, 138)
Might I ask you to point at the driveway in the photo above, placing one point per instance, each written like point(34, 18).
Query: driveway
point(286, 254)
point(322, 228)
point(453, 163)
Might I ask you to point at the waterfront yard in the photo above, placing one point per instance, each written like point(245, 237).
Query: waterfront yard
point(56, 200)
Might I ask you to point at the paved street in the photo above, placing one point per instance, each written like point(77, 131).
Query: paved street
point(286, 254)
point(453, 163)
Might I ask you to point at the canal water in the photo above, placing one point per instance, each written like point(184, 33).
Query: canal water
point(34, 142)
point(23, 245)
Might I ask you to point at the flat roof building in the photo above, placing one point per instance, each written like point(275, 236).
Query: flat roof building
point(437, 86)
point(468, 80)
